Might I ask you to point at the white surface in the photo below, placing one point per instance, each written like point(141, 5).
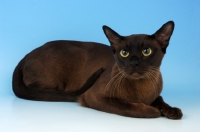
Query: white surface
point(19, 115)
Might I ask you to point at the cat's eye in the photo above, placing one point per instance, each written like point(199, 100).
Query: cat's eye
point(124, 53)
point(146, 51)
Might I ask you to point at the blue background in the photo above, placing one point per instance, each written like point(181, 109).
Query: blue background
point(27, 24)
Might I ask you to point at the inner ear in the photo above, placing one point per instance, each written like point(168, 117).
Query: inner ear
point(164, 33)
point(113, 37)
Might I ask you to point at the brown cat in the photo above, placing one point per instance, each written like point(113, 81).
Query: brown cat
point(123, 78)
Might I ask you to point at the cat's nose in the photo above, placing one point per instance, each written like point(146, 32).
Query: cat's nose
point(133, 64)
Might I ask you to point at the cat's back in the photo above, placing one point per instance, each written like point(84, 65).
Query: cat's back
point(58, 61)
point(69, 54)
point(70, 50)
point(67, 45)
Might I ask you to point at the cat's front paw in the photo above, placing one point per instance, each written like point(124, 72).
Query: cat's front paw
point(172, 113)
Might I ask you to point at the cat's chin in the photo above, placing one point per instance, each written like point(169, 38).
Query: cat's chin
point(135, 75)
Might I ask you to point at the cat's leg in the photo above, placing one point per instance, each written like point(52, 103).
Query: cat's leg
point(167, 110)
point(120, 107)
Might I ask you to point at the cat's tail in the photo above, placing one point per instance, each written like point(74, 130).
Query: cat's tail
point(22, 91)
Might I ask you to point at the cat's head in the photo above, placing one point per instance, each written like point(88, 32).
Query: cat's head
point(139, 53)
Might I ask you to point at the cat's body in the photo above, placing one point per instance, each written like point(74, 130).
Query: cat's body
point(127, 83)
point(65, 66)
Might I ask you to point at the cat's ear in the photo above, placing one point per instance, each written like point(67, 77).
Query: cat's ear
point(113, 37)
point(164, 33)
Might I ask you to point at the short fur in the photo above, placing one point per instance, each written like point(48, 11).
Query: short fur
point(98, 76)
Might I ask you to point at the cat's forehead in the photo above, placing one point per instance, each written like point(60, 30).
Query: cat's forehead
point(139, 40)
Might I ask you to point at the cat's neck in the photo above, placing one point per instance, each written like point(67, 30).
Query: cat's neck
point(143, 90)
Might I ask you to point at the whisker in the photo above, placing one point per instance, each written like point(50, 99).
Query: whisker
point(114, 83)
point(152, 75)
point(119, 87)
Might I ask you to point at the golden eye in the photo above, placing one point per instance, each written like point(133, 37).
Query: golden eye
point(124, 53)
point(146, 51)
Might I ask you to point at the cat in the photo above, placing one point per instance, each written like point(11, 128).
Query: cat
point(123, 78)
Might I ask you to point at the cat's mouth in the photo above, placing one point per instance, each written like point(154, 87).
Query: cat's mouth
point(143, 73)
point(137, 73)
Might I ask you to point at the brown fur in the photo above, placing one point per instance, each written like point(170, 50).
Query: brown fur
point(90, 73)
